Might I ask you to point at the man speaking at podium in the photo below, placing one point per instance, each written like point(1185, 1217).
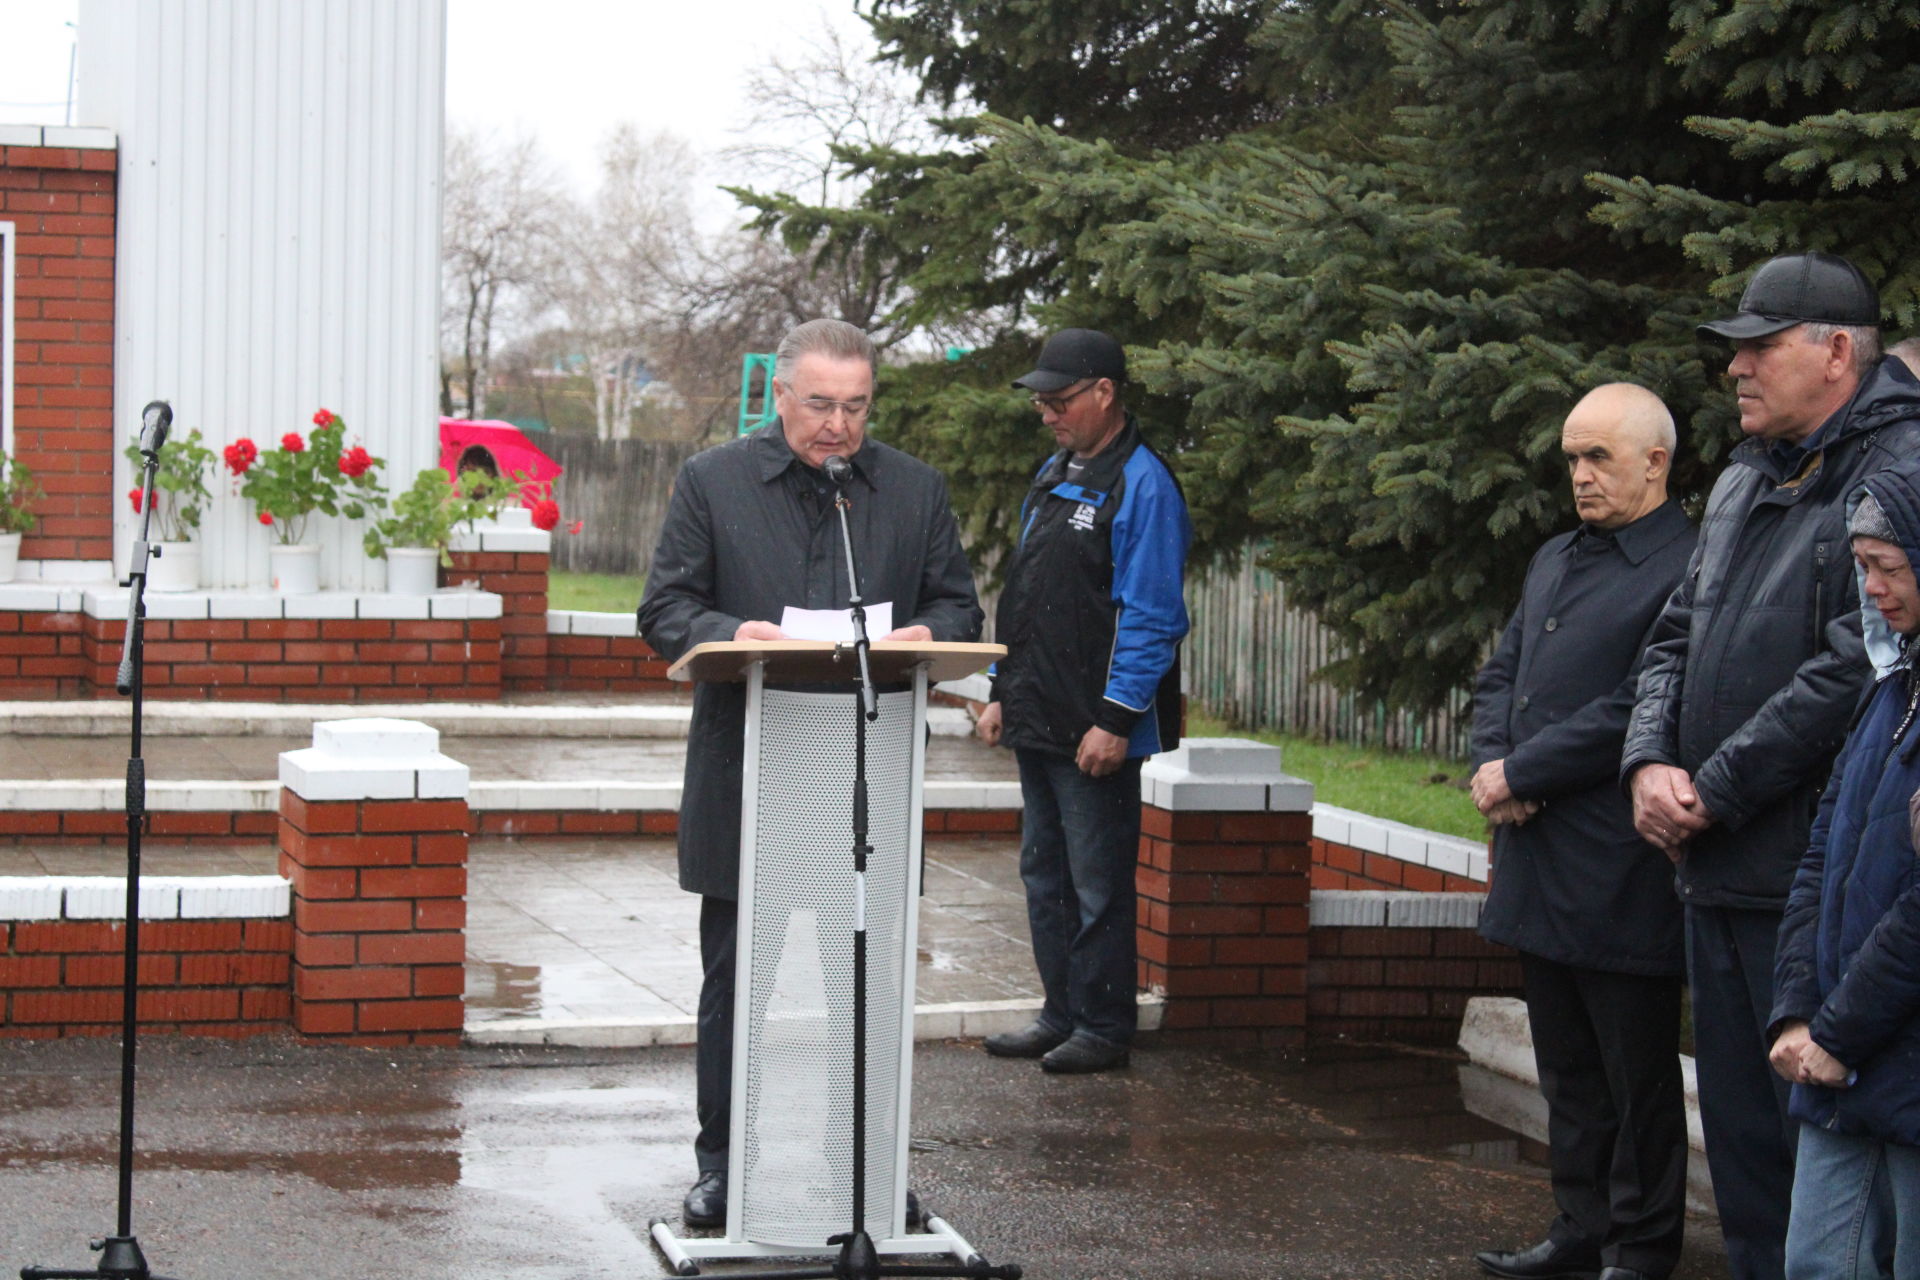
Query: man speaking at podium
point(750, 531)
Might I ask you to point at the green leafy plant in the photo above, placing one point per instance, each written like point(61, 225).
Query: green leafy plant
point(432, 510)
point(317, 472)
point(18, 492)
point(179, 483)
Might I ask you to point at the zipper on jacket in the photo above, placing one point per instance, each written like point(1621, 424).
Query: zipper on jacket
point(1819, 593)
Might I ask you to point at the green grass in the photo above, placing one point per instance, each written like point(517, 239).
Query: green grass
point(1422, 791)
point(594, 592)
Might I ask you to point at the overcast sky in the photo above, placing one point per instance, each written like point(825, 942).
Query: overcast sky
point(565, 71)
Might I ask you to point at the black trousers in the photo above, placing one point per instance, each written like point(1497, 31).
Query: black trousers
point(1608, 1049)
point(713, 1054)
point(1743, 1103)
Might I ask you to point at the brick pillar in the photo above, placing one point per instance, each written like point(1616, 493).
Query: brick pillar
point(373, 838)
point(1223, 879)
point(510, 558)
point(57, 188)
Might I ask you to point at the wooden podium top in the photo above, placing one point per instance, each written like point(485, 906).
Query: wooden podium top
point(824, 662)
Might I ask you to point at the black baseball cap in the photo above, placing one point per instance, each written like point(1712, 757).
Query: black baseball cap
point(1072, 355)
point(1798, 288)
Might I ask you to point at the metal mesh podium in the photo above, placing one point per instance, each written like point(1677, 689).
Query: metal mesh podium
point(790, 1169)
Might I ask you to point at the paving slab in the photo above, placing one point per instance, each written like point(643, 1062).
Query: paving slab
point(267, 1159)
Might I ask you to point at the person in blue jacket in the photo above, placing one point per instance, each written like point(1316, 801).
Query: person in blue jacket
point(1092, 616)
point(1846, 1011)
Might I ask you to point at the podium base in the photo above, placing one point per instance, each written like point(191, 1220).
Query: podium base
point(940, 1240)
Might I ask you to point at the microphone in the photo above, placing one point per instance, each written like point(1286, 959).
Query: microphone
point(838, 470)
point(154, 421)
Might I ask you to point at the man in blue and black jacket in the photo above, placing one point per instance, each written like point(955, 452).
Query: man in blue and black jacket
point(1092, 616)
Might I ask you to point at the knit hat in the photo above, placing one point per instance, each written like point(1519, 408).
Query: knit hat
point(1869, 521)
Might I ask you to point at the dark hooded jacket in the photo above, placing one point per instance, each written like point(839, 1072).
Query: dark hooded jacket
point(1849, 956)
point(1755, 666)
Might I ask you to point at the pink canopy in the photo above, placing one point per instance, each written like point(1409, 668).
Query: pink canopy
point(467, 445)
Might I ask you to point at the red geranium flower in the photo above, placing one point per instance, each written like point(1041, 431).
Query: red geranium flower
point(240, 455)
point(546, 514)
point(293, 442)
point(355, 461)
point(322, 417)
point(266, 517)
point(133, 498)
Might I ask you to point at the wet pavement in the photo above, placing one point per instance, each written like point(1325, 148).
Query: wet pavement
point(253, 758)
point(265, 1159)
point(564, 929)
point(246, 758)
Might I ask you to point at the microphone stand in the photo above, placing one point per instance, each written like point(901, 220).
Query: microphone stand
point(120, 1255)
point(858, 1258)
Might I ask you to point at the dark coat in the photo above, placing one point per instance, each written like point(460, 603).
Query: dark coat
point(1576, 884)
point(750, 530)
point(1756, 666)
point(1848, 962)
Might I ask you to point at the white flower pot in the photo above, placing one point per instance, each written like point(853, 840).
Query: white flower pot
point(412, 571)
point(295, 570)
point(174, 566)
point(9, 556)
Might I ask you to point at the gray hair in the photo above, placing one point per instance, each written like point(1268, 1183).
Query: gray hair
point(835, 339)
point(1866, 342)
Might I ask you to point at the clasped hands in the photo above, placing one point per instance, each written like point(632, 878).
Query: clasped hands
point(1667, 808)
point(1495, 799)
point(1797, 1058)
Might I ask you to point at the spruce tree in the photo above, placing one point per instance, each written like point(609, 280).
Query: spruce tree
point(1366, 276)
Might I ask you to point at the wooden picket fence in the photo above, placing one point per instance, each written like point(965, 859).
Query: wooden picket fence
point(618, 490)
point(1251, 659)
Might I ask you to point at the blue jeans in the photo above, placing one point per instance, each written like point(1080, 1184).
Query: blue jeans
point(1856, 1208)
point(1080, 841)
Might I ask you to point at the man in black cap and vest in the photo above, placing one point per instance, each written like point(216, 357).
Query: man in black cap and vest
point(1092, 616)
point(1753, 671)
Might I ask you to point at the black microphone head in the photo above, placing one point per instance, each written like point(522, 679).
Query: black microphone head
point(838, 469)
point(154, 421)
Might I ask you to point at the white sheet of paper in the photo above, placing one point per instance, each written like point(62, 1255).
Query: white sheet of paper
point(835, 624)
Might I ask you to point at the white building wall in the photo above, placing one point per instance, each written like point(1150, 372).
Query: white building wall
point(279, 235)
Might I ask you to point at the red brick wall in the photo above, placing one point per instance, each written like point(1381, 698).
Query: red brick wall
point(1223, 923)
point(72, 655)
point(1339, 866)
point(519, 578)
point(197, 977)
point(109, 826)
point(613, 664)
point(61, 202)
point(1407, 985)
point(379, 918)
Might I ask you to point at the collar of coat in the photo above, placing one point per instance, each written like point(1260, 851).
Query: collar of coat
point(772, 456)
point(1644, 536)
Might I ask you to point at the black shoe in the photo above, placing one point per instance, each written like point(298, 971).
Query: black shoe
point(706, 1203)
point(1624, 1273)
point(1031, 1041)
point(1545, 1261)
point(1083, 1054)
point(914, 1215)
